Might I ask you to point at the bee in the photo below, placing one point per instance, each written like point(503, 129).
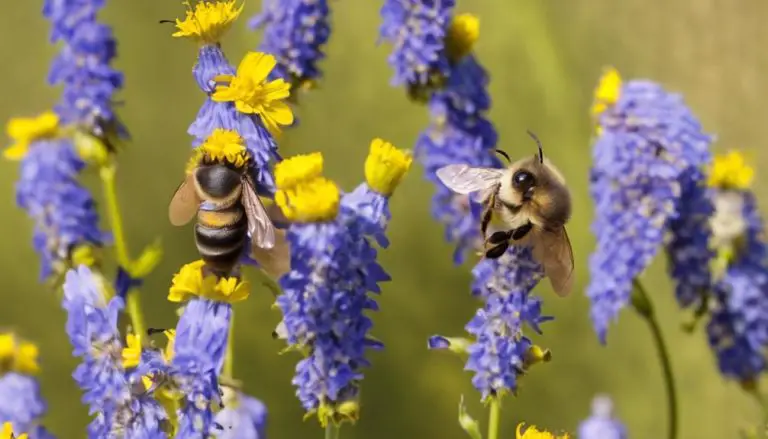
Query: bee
point(228, 209)
point(533, 203)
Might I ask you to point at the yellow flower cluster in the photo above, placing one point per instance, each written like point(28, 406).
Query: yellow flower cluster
point(25, 130)
point(222, 145)
point(190, 282)
point(208, 20)
point(253, 93)
point(18, 356)
point(731, 171)
point(386, 166)
point(532, 433)
point(463, 32)
point(304, 195)
point(7, 432)
point(608, 91)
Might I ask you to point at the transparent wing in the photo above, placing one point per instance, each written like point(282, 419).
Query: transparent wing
point(464, 179)
point(185, 202)
point(260, 227)
point(275, 261)
point(552, 249)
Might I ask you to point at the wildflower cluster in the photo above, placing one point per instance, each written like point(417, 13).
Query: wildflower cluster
point(333, 268)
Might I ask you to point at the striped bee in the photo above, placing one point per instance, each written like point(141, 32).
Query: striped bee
point(223, 196)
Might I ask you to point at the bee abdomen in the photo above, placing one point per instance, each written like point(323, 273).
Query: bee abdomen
point(221, 245)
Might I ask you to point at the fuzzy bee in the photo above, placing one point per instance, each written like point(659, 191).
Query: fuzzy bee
point(533, 204)
point(223, 196)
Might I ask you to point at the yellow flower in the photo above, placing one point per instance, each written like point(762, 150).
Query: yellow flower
point(313, 201)
point(608, 91)
point(18, 356)
point(298, 169)
point(7, 432)
point(168, 353)
point(227, 146)
point(189, 282)
point(730, 171)
point(208, 21)
point(132, 351)
point(25, 130)
point(84, 254)
point(253, 93)
point(462, 35)
point(532, 433)
point(386, 166)
point(336, 413)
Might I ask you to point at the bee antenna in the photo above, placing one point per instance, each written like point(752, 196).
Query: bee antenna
point(166, 21)
point(538, 142)
point(504, 154)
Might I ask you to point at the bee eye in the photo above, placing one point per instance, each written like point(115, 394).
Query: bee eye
point(523, 180)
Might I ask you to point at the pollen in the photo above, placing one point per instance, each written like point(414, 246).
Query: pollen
point(731, 171)
point(132, 351)
point(314, 201)
point(253, 93)
point(227, 146)
point(25, 130)
point(607, 92)
point(189, 282)
point(386, 166)
point(298, 169)
point(532, 432)
point(208, 20)
point(462, 35)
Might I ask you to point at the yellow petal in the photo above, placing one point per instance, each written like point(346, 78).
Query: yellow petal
point(256, 66)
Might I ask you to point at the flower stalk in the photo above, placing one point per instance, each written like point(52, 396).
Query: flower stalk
point(494, 415)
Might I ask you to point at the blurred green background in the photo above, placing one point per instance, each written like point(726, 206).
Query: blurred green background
point(544, 58)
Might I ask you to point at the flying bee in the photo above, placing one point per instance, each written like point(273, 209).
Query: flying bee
point(228, 209)
point(532, 202)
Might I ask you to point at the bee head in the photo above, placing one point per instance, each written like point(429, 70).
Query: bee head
point(524, 181)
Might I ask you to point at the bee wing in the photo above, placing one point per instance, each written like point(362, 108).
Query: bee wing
point(185, 202)
point(260, 227)
point(275, 261)
point(552, 249)
point(464, 179)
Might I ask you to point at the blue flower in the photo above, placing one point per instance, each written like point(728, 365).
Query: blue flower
point(22, 404)
point(242, 417)
point(294, 32)
point(118, 398)
point(499, 352)
point(738, 329)
point(212, 62)
point(63, 210)
point(199, 348)
point(602, 424)
point(83, 66)
point(417, 30)
point(459, 133)
point(645, 159)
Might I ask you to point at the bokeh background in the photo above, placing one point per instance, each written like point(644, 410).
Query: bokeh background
point(544, 57)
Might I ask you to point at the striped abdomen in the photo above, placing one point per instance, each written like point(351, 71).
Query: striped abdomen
point(222, 226)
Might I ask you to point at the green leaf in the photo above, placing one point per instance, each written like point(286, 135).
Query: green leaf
point(468, 423)
point(147, 260)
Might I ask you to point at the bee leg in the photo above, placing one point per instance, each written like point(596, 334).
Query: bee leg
point(499, 237)
point(487, 214)
point(497, 251)
point(520, 232)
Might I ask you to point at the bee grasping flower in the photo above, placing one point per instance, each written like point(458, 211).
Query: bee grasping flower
point(208, 20)
point(253, 93)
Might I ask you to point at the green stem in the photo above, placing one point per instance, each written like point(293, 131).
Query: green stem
point(332, 431)
point(493, 418)
point(133, 304)
point(229, 359)
point(642, 304)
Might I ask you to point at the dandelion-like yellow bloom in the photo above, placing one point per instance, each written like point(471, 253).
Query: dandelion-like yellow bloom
point(226, 145)
point(189, 282)
point(345, 411)
point(731, 171)
point(7, 432)
point(313, 201)
point(532, 433)
point(252, 93)
point(463, 32)
point(298, 169)
point(386, 166)
point(25, 130)
point(132, 351)
point(208, 20)
point(18, 356)
point(608, 91)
